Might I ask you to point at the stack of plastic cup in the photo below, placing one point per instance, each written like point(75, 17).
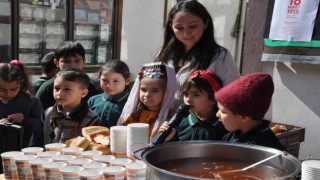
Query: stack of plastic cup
point(94, 165)
point(47, 154)
point(24, 166)
point(9, 164)
point(120, 162)
point(32, 150)
point(118, 141)
point(114, 173)
point(80, 161)
point(90, 154)
point(52, 170)
point(57, 147)
point(38, 172)
point(136, 171)
point(63, 158)
point(71, 172)
point(104, 159)
point(76, 151)
point(91, 174)
point(137, 137)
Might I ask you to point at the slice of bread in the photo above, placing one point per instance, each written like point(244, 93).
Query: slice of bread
point(91, 131)
point(103, 139)
point(99, 147)
point(79, 142)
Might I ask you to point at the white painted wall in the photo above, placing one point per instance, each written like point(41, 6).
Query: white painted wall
point(296, 101)
point(142, 28)
point(142, 32)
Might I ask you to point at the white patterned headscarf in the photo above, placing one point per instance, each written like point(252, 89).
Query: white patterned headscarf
point(168, 98)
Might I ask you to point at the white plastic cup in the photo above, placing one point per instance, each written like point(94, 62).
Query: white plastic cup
point(32, 150)
point(120, 162)
point(63, 158)
point(9, 164)
point(56, 147)
point(80, 161)
point(76, 151)
point(91, 174)
point(71, 172)
point(90, 154)
point(52, 170)
point(95, 165)
point(38, 172)
point(136, 171)
point(104, 159)
point(23, 166)
point(114, 173)
point(48, 154)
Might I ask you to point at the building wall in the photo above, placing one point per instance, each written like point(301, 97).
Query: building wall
point(142, 32)
point(296, 96)
point(296, 101)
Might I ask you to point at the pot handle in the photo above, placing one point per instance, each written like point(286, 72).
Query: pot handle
point(135, 152)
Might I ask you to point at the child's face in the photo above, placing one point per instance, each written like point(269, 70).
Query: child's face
point(151, 93)
point(9, 90)
point(199, 102)
point(71, 62)
point(231, 121)
point(67, 93)
point(113, 83)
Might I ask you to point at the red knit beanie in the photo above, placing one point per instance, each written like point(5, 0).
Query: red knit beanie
point(250, 95)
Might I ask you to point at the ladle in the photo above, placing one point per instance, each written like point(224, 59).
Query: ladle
point(250, 166)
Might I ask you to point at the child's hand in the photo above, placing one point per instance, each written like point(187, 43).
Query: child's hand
point(164, 126)
point(4, 120)
point(17, 117)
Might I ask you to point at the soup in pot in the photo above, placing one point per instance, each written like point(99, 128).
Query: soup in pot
point(210, 168)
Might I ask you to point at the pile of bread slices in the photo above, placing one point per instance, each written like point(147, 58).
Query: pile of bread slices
point(94, 138)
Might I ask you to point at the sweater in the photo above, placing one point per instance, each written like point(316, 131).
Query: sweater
point(59, 127)
point(261, 135)
point(108, 108)
point(31, 109)
point(192, 128)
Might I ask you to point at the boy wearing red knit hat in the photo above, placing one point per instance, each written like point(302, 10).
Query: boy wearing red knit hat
point(242, 105)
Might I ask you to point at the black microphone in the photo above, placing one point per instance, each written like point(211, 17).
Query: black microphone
point(174, 121)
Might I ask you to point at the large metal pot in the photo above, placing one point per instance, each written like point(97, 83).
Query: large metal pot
point(288, 164)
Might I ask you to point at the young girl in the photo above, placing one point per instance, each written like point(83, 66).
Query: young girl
point(151, 98)
point(16, 104)
point(114, 80)
point(201, 123)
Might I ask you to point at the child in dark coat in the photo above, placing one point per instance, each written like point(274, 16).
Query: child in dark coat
point(65, 119)
point(242, 106)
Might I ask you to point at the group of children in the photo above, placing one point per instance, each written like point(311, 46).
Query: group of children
point(70, 100)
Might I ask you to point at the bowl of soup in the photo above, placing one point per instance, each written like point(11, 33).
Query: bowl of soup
point(206, 159)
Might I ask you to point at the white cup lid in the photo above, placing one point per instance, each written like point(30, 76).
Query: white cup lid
point(54, 165)
point(40, 161)
point(113, 170)
point(11, 154)
point(32, 149)
point(71, 169)
point(90, 173)
point(103, 158)
point(22, 158)
point(55, 145)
